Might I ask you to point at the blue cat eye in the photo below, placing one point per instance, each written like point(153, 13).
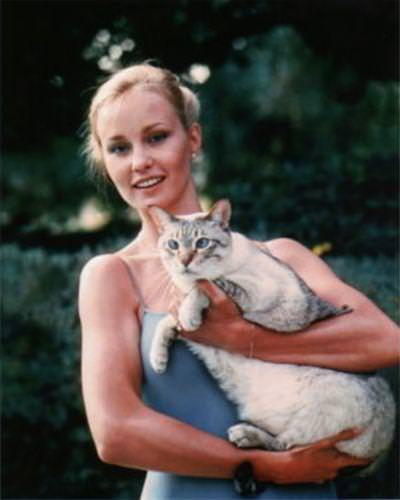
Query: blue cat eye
point(202, 243)
point(173, 244)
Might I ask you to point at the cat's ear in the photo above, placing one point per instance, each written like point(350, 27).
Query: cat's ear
point(161, 218)
point(221, 212)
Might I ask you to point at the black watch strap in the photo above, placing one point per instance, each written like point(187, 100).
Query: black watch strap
point(244, 481)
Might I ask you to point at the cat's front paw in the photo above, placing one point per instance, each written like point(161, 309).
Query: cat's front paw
point(163, 336)
point(159, 360)
point(240, 436)
point(249, 436)
point(189, 321)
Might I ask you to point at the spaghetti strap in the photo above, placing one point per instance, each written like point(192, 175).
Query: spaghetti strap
point(136, 288)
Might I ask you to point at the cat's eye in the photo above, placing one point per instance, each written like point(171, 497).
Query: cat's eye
point(202, 243)
point(173, 244)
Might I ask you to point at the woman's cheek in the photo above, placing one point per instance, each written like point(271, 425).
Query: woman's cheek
point(116, 171)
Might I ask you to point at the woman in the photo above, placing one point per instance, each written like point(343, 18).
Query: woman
point(143, 135)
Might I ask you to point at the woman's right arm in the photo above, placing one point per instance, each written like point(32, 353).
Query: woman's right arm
point(128, 433)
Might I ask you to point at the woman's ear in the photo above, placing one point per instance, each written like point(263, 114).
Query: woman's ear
point(195, 138)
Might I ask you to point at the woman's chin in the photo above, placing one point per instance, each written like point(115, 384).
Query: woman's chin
point(147, 201)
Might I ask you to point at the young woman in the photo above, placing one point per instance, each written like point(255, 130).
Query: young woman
point(143, 136)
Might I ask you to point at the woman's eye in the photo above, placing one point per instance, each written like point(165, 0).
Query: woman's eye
point(118, 149)
point(202, 243)
point(173, 244)
point(157, 137)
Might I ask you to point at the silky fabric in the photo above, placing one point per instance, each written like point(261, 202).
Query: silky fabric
point(187, 392)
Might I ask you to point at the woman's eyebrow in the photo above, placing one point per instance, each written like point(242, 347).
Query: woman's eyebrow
point(153, 125)
point(116, 138)
point(147, 128)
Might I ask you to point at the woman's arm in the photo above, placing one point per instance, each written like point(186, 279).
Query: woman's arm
point(363, 340)
point(128, 433)
point(125, 431)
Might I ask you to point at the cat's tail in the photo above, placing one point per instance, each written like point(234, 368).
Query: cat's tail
point(326, 310)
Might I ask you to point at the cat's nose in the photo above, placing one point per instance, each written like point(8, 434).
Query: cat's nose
point(187, 258)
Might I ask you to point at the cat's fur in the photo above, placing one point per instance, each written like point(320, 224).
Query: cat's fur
point(283, 405)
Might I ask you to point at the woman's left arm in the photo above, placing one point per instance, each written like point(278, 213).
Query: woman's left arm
point(361, 341)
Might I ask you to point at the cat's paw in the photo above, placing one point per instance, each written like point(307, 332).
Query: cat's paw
point(189, 321)
point(241, 435)
point(159, 360)
point(248, 436)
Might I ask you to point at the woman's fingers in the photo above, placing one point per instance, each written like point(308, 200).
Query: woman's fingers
point(218, 297)
point(341, 436)
point(349, 461)
point(344, 459)
point(214, 293)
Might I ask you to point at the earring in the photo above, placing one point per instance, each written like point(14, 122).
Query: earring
point(194, 156)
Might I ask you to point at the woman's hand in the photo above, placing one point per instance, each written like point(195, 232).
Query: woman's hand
point(223, 325)
point(315, 463)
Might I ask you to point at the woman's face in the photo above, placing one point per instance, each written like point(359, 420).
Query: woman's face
point(146, 150)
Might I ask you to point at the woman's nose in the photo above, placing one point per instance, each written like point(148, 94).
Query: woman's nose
point(140, 160)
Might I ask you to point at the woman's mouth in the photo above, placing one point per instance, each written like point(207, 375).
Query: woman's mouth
point(148, 183)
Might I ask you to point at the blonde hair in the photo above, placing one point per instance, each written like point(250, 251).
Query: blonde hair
point(163, 81)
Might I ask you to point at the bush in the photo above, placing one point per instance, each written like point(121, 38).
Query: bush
point(45, 436)
point(300, 145)
point(47, 449)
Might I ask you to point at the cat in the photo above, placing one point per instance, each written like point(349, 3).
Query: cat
point(279, 405)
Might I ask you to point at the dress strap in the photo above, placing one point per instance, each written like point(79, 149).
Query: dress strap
point(263, 246)
point(136, 288)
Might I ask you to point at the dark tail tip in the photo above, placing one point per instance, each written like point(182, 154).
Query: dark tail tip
point(346, 309)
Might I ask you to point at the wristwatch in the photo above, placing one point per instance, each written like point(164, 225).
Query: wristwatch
point(244, 482)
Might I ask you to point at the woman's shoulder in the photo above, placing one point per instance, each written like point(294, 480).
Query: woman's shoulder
point(299, 257)
point(288, 250)
point(109, 273)
point(104, 265)
point(111, 264)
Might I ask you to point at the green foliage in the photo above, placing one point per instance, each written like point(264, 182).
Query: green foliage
point(42, 189)
point(47, 448)
point(301, 147)
point(45, 437)
point(377, 278)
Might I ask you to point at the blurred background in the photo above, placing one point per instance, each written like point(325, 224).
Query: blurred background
point(300, 117)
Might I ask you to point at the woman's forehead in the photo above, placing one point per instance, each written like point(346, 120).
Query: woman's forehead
point(134, 111)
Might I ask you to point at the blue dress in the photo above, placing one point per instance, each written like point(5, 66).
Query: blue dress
point(188, 393)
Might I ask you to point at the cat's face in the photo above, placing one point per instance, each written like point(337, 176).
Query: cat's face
point(195, 247)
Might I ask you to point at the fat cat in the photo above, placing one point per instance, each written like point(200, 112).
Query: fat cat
point(280, 405)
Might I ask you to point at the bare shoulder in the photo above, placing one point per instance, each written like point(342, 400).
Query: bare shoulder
point(110, 327)
point(107, 276)
point(287, 249)
point(299, 257)
point(290, 251)
point(102, 266)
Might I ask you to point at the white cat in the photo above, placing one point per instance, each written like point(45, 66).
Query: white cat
point(283, 405)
